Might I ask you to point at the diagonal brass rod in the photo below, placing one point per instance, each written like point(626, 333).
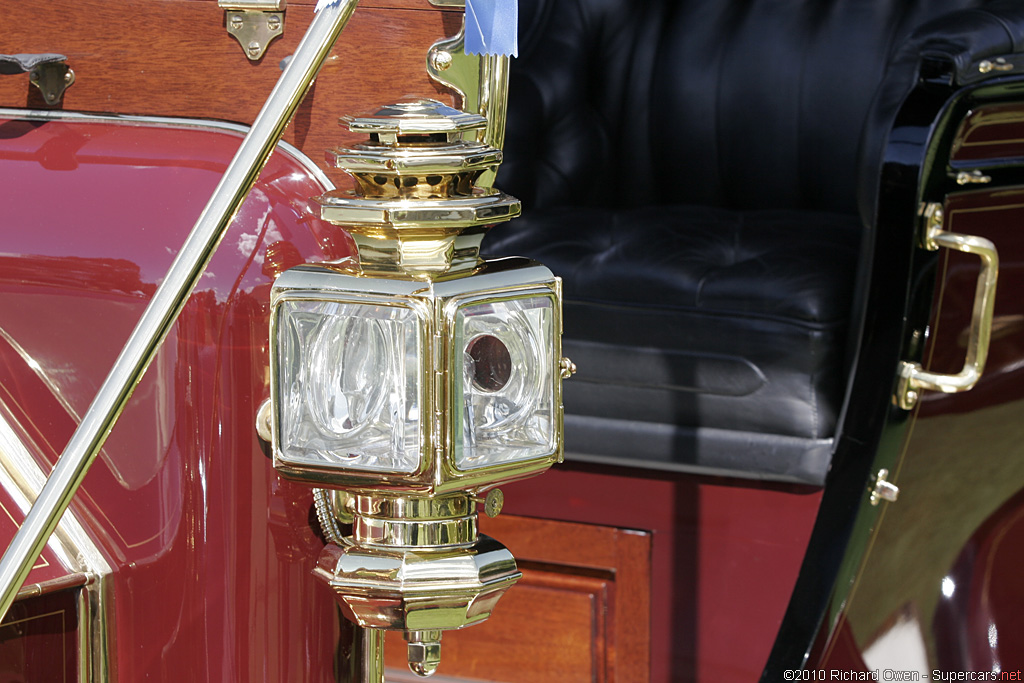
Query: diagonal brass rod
point(170, 298)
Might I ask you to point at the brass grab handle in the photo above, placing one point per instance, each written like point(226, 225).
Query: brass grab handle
point(913, 377)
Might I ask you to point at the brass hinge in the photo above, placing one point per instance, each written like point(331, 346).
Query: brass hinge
point(974, 177)
point(48, 71)
point(254, 23)
point(998, 64)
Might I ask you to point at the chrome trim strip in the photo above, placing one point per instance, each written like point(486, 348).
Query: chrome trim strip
point(170, 298)
point(170, 122)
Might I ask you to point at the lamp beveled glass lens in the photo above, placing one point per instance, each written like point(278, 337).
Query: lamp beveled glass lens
point(348, 384)
point(505, 399)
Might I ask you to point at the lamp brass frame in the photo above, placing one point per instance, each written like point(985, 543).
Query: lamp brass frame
point(435, 300)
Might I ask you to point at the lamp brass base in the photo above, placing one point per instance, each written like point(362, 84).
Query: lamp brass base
point(412, 589)
point(421, 591)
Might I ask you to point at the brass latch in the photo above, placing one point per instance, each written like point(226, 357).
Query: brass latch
point(884, 489)
point(997, 64)
point(254, 23)
point(48, 72)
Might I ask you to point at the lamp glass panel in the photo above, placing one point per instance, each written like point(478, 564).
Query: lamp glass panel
point(348, 385)
point(504, 396)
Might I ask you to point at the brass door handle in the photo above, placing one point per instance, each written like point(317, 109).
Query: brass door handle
point(913, 377)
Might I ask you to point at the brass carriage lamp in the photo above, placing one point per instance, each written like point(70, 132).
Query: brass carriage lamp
point(417, 377)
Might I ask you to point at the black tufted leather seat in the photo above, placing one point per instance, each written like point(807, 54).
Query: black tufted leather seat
point(692, 169)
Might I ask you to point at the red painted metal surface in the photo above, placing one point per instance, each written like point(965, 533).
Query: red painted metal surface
point(212, 551)
point(980, 624)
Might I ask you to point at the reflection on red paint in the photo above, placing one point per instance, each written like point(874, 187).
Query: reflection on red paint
point(212, 550)
point(979, 623)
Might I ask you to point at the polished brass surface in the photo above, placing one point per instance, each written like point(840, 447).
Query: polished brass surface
point(265, 421)
point(422, 202)
point(424, 651)
point(419, 116)
point(253, 23)
point(403, 221)
point(416, 564)
point(169, 299)
point(418, 589)
point(494, 502)
point(384, 505)
point(371, 668)
point(997, 64)
point(913, 377)
point(441, 60)
point(884, 489)
point(972, 178)
point(52, 79)
point(370, 531)
point(329, 516)
point(418, 207)
point(414, 522)
point(480, 82)
point(343, 504)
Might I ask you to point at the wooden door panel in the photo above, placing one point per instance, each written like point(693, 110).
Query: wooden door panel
point(581, 612)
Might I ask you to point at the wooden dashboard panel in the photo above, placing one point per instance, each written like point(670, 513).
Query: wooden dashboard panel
point(175, 58)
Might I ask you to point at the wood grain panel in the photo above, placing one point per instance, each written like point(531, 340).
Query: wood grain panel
point(580, 613)
point(175, 58)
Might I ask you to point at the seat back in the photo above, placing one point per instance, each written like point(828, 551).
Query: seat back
point(739, 104)
point(690, 169)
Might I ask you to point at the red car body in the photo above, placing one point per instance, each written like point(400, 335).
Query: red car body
point(196, 558)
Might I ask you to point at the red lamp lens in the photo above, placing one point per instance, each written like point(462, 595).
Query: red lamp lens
point(492, 363)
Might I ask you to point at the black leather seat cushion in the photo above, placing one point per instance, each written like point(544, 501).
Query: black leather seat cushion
point(693, 327)
point(712, 339)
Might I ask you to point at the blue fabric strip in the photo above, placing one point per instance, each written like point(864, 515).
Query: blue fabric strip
point(492, 27)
